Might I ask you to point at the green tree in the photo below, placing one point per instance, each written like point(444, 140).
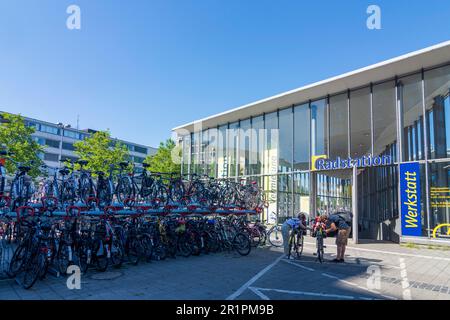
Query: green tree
point(101, 151)
point(16, 136)
point(166, 158)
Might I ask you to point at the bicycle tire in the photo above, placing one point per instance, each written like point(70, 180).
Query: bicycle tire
point(320, 248)
point(242, 244)
point(17, 260)
point(275, 236)
point(134, 252)
point(300, 244)
point(31, 271)
point(117, 253)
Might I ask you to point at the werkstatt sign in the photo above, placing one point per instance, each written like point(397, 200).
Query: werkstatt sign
point(410, 199)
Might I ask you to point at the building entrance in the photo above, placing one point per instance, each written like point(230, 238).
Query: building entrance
point(333, 191)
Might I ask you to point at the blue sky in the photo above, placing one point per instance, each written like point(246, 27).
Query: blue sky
point(142, 67)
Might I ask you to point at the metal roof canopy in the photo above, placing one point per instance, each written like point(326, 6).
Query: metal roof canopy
point(389, 69)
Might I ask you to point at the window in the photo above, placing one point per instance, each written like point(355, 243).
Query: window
point(71, 134)
point(272, 156)
point(222, 158)
point(51, 157)
point(384, 120)
point(284, 196)
point(410, 99)
point(360, 123)
point(233, 136)
point(138, 159)
point(301, 193)
point(52, 143)
point(339, 126)
point(195, 137)
point(140, 149)
point(204, 145)
point(33, 124)
point(286, 136)
point(49, 129)
point(211, 152)
point(257, 145)
point(244, 147)
point(68, 146)
point(439, 198)
point(437, 102)
point(40, 141)
point(302, 136)
point(319, 125)
point(186, 153)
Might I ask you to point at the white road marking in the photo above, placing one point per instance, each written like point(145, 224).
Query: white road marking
point(405, 281)
point(341, 280)
point(314, 294)
point(358, 286)
point(388, 252)
point(299, 265)
point(259, 293)
point(252, 280)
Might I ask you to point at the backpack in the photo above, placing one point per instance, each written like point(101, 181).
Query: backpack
point(346, 216)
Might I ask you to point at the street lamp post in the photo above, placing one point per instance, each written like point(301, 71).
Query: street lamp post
point(61, 128)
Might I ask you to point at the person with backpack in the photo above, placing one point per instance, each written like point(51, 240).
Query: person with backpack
point(341, 223)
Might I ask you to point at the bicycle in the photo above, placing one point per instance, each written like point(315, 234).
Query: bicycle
point(320, 235)
point(296, 242)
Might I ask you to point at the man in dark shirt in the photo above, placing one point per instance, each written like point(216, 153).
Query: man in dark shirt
point(343, 231)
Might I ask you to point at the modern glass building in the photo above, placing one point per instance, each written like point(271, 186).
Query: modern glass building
point(375, 141)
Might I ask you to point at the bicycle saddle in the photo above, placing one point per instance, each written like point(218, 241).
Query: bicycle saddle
point(100, 173)
point(82, 162)
point(64, 171)
point(145, 165)
point(123, 164)
point(24, 168)
point(3, 153)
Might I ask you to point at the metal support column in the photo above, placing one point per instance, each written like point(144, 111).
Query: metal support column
point(355, 205)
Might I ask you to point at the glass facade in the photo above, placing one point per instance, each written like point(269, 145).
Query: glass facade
point(360, 123)
point(407, 118)
point(339, 126)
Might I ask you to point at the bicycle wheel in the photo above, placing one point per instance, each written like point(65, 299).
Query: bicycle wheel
point(101, 257)
point(104, 194)
point(83, 256)
point(62, 259)
point(147, 247)
point(300, 239)
point(292, 244)
point(134, 251)
point(124, 189)
point(263, 234)
point(31, 270)
point(319, 248)
point(17, 260)
point(275, 237)
point(212, 242)
point(242, 244)
point(85, 189)
point(255, 236)
point(184, 247)
point(117, 253)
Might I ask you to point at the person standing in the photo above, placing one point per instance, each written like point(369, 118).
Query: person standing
point(343, 229)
